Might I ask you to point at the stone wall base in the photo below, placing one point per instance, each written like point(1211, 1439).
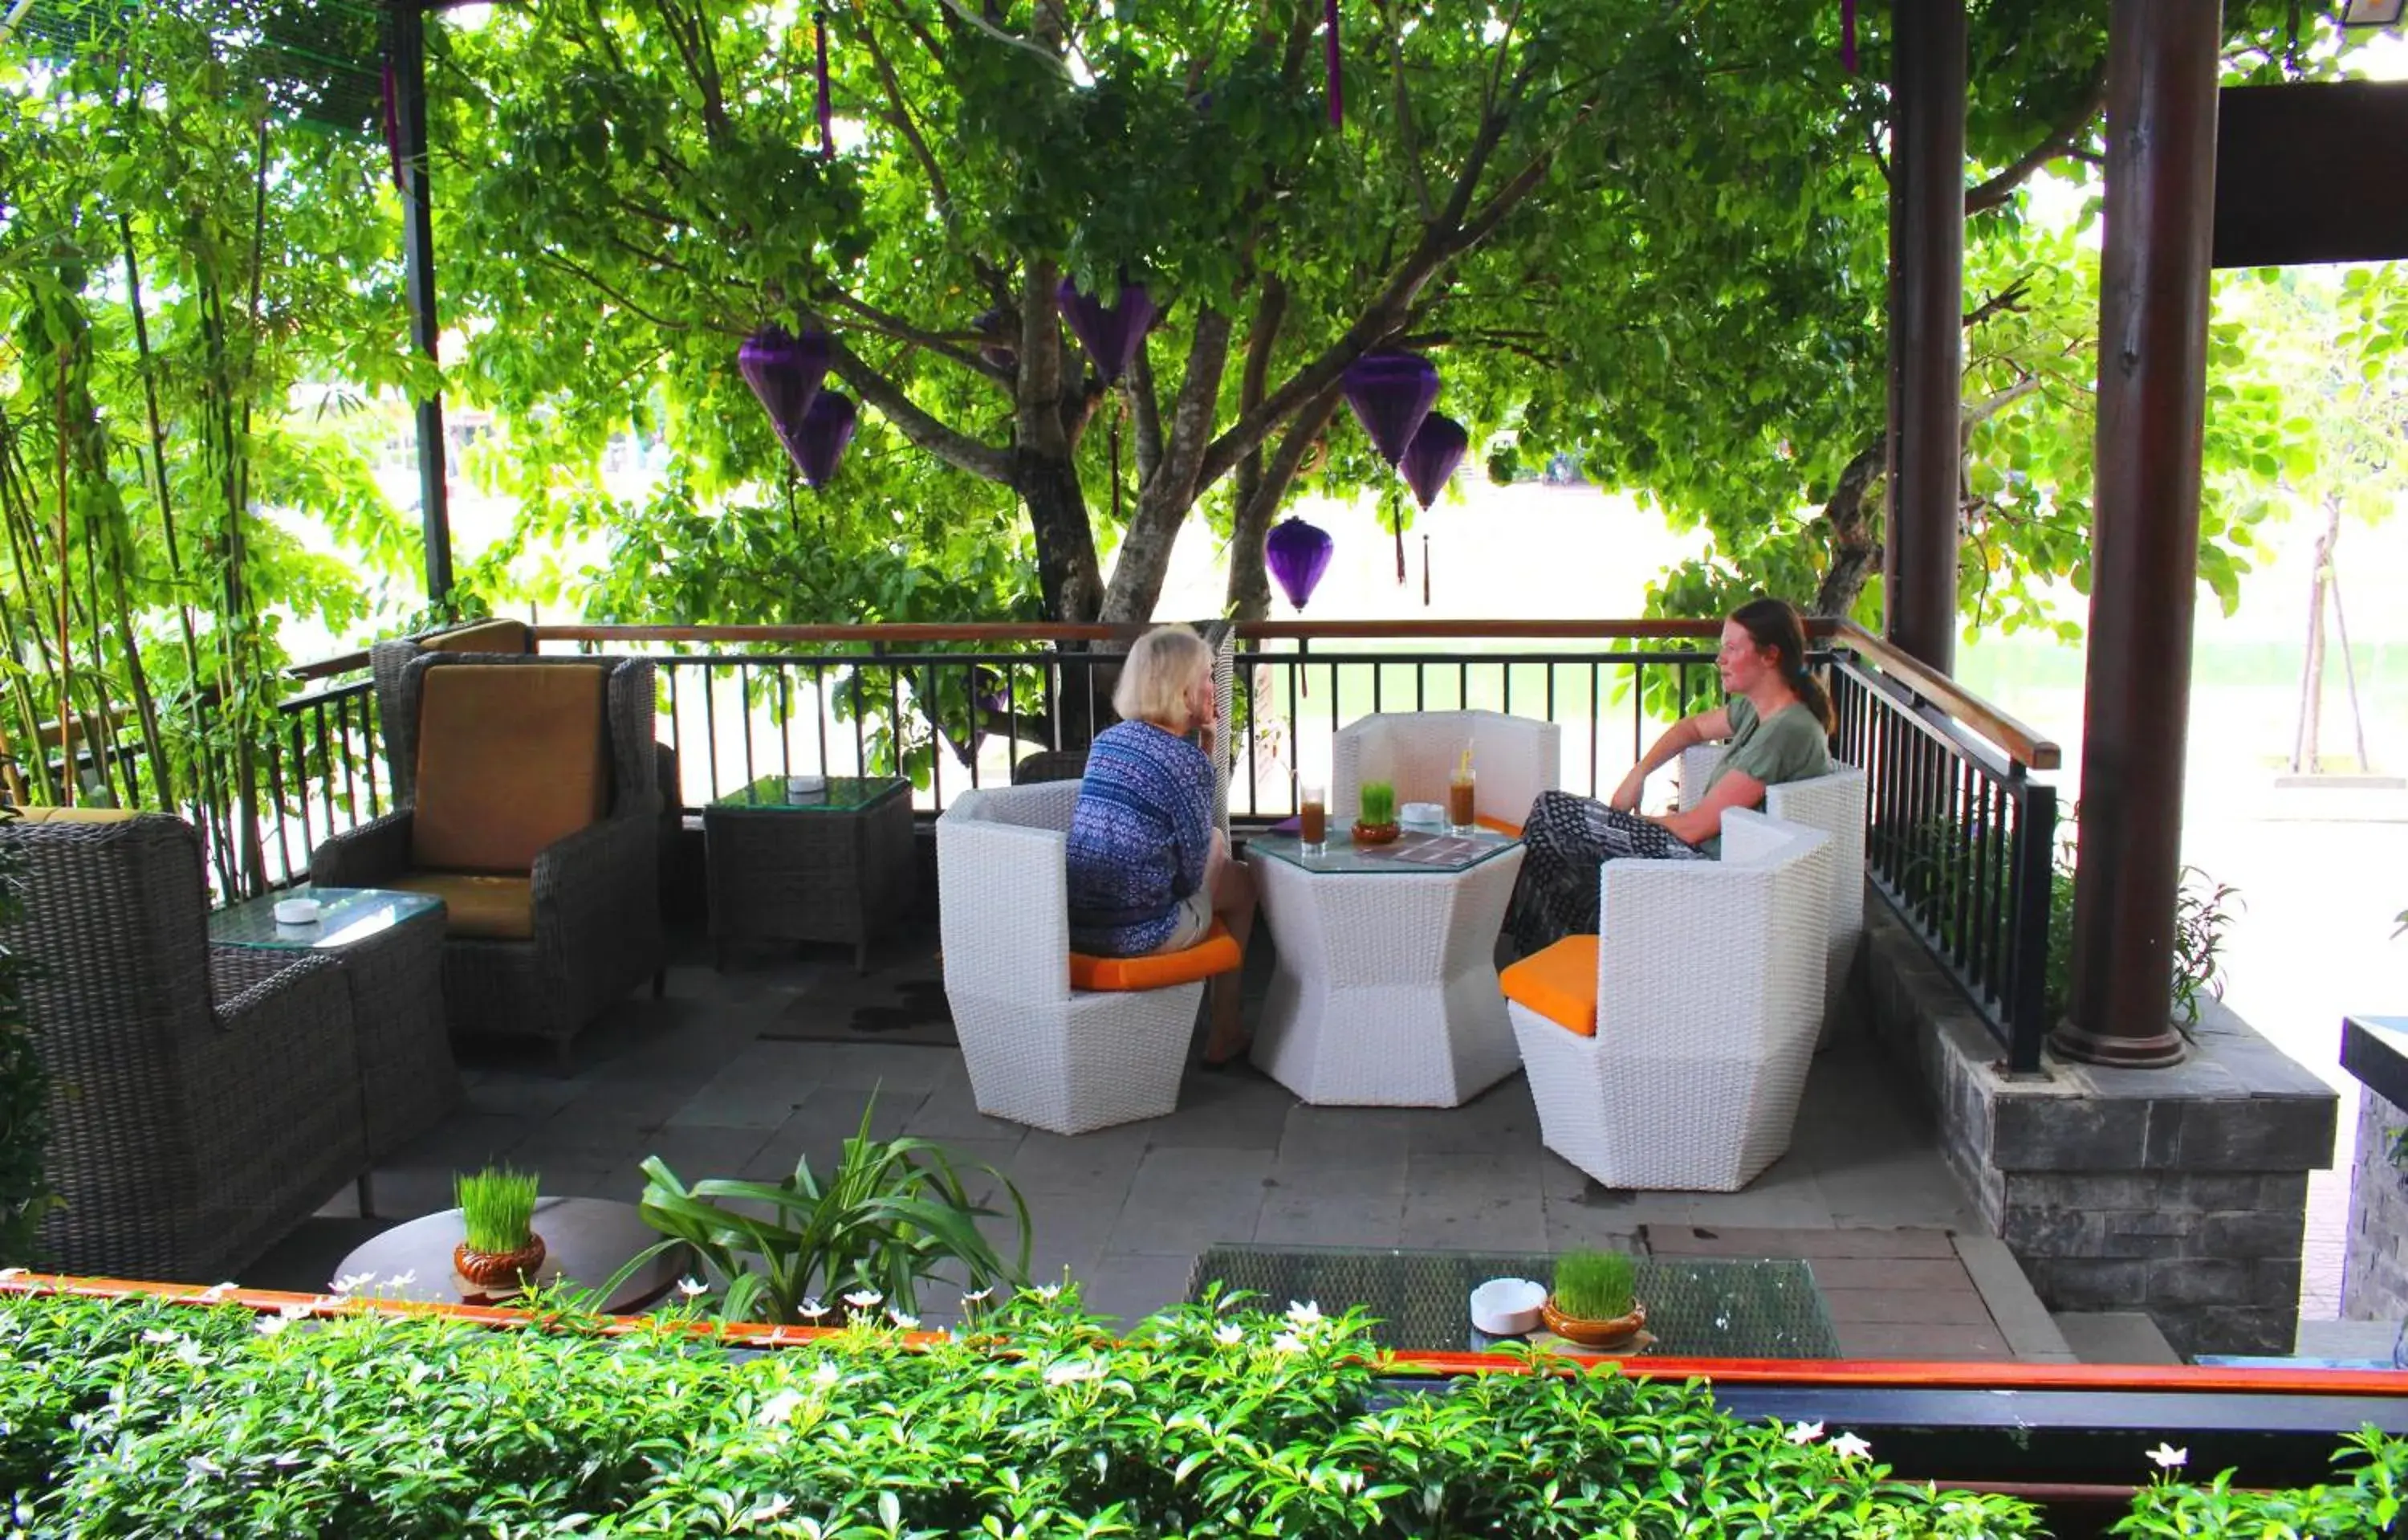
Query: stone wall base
point(2374, 1264)
point(2181, 1192)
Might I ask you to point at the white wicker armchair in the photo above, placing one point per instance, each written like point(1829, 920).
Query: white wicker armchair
point(1834, 803)
point(1516, 758)
point(1708, 989)
point(1038, 1051)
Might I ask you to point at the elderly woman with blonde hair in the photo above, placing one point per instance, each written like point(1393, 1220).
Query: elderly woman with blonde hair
point(1149, 866)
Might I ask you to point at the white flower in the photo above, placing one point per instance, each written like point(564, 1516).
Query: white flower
point(160, 1335)
point(267, 1326)
point(350, 1282)
point(693, 1288)
point(1307, 1314)
point(202, 1465)
point(826, 1374)
point(813, 1309)
point(189, 1351)
point(1229, 1333)
point(764, 1512)
point(1047, 1291)
point(1287, 1342)
point(980, 1297)
point(215, 1293)
point(1849, 1447)
point(2167, 1456)
point(901, 1319)
point(7, 1273)
point(1072, 1371)
point(1805, 1433)
point(780, 1407)
point(402, 1280)
point(865, 1299)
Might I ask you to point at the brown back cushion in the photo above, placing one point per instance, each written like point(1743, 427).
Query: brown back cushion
point(485, 636)
point(510, 759)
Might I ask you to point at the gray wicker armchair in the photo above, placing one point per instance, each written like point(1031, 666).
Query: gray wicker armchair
point(204, 1101)
point(534, 816)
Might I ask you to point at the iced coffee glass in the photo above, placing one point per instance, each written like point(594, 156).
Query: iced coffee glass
point(1459, 787)
point(1313, 820)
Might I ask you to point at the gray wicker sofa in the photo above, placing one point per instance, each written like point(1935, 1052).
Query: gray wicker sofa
point(204, 1101)
point(553, 898)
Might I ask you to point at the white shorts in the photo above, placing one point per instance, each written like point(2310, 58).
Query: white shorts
point(1195, 918)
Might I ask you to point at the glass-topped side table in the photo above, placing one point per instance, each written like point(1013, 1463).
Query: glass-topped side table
point(1387, 993)
point(1696, 1307)
point(836, 864)
point(390, 946)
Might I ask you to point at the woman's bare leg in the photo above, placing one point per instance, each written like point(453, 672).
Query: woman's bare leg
point(1232, 886)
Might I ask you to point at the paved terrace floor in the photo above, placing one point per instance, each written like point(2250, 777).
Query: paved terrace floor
point(711, 1079)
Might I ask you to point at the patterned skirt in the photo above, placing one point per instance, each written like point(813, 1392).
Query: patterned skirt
point(1567, 841)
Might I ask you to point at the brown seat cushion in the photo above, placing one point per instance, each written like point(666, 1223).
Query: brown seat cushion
point(511, 758)
point(485, 636)
point(495, 908)
point(74, 815)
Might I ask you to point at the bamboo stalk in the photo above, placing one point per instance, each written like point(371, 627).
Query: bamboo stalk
point(66, 583)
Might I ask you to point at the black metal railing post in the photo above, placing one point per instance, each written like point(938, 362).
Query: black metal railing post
point(2033, 863)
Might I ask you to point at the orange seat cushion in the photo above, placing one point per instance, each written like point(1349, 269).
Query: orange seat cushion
point(1498, 826)
point(485, 636)
point(510, 759)
point(1559, 984)
point(474, 904)
point(1217, 953)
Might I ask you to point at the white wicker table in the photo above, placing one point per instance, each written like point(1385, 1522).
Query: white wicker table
point(1385, 993)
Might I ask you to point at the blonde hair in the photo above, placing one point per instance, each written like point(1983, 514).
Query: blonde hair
point(1162, 665)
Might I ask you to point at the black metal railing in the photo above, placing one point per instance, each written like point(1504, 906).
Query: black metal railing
point(1960, 831)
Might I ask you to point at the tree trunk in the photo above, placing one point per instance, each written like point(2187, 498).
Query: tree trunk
point(2305, 754)
point(1067, 571)
point(1856, 544)
point(1249, 585)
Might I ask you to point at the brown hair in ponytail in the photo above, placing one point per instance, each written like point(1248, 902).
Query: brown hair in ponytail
point(1772, 623)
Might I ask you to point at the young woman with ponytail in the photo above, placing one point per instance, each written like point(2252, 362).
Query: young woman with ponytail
point(1777, 722)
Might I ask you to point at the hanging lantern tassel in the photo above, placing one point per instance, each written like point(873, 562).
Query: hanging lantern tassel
point(1330, 54)
point(393, 125)
point(1848, 35)
point(1425, 571)
point(1397, 521)
point(827, 113)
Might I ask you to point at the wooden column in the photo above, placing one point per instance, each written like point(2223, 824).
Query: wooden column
point(2153, 300)
point(418, 281)
point(1926, 327)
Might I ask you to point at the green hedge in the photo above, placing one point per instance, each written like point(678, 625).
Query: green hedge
point(135, 1418)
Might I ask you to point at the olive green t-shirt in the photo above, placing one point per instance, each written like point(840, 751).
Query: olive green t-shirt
point(1790, 745)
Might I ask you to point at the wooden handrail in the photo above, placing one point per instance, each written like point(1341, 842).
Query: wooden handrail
point(1260, 630)
point(2022, 745)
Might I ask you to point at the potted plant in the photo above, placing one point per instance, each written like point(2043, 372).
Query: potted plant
point(1376, 824)
point(1592, 1303)
point(501, 1254)
point(891, 1215)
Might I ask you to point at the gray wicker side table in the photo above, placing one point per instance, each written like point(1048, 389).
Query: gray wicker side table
point(834, 865)
point(390, 947)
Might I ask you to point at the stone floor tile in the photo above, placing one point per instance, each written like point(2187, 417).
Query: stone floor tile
point(513, 1094)
point(1901, 1273)
point(1090, 1164)
point(1574, 1225)
point(1340, 1136)
point(1316, 1218)
point(896, 1066)
point(1495, 1222)
point(1132, 1286)
point(1226, 1111)
point(761, 1087)
point(1798, 1204)
point(949, 1113)
point(1909, 1307)
point(1867, 1340)
point(1742, 1240)
point(465, 1141)
point(1184, 1200)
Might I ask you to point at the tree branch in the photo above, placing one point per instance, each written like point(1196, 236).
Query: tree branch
point(1145, 409)
point(2061, 140)
point(547, 254)
point(1977, 412)
point(903, 331)
point(1270, 309)
point(1409, 140)
point(902, 119)
point(957, 449)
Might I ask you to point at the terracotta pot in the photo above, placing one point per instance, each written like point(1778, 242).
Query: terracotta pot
point(1373, 834)
point(500, 1271)
point(1613, 1332)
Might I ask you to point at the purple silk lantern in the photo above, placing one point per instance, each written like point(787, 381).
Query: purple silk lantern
point(1111, 334)
point(827, 428)
point(1391, 393)
point(784, 372)
point(1298, 554)
point(1437, 448)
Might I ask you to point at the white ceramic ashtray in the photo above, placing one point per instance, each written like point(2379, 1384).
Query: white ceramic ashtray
point(1420, 812)
point(806, 785)
point(296, 911)
point(1507, 1307)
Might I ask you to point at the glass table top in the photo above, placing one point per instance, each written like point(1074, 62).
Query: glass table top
point(1696, 1307)
point(840, 794)
point(1423, 850)
point(345, 914)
